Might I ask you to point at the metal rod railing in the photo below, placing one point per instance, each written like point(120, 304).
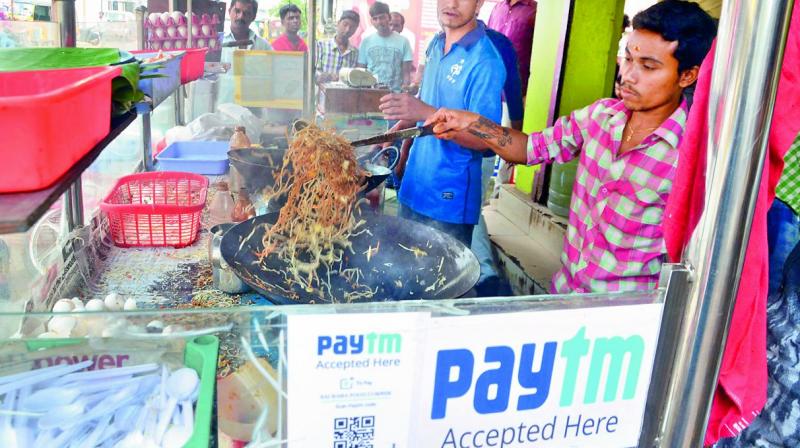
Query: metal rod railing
point(64, 14)
point(309, 96)
point(747, 65)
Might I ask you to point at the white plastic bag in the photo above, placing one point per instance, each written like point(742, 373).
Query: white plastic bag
point(219, 125)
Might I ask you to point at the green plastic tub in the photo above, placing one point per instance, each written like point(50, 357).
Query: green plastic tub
point(200, 355)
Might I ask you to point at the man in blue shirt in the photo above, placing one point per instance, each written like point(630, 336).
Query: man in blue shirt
point(442, 180)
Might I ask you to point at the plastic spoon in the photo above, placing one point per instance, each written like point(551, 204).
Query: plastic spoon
point(108, 373)
point(180, 386)
point(55, 371)
point(45, 399)
point(8, 436)
point(20, 422)
point(135, 438)
point(119, 399)
point(34, 377)
point(177, 435)
point(98, 430)
point(55, 416)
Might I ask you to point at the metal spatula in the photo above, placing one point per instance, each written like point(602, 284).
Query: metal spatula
point(419, 131)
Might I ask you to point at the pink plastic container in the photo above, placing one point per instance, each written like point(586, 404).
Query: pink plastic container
point(193, 64)
point(49, 119)
point(160, 208)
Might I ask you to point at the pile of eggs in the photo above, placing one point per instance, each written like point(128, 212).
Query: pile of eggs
point(169, 31)
point(72, 325)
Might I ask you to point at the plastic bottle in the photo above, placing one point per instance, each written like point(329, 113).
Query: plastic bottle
point(221, 208)
point(562, 179)
point(243, 209)
point(239, 138)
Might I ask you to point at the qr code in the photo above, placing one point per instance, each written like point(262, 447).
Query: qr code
point(354, 432)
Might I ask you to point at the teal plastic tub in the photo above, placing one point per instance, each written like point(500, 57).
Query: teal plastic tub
point(169, 79)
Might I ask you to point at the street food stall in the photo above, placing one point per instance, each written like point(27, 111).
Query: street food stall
point(131, 317)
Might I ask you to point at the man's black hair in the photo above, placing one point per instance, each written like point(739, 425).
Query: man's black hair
point(351, 15)
point(684, 22)
point(287, 8)
point(246, 2)
point(402, 19)
point(626, 22)
point(379, 8)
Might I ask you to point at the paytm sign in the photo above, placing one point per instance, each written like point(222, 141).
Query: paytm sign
point(554, 378)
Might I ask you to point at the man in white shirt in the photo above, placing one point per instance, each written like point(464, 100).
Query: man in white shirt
point(242, 13)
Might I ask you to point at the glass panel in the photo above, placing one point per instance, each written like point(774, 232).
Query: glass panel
point(18, 34)
point(251, 404)
point(30, 262)
point(106, 24)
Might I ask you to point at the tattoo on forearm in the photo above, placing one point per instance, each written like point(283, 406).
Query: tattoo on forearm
point(486, 129)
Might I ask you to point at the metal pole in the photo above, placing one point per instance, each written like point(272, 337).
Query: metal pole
point(308, 78)
point(747, 65)
point(147, 148)
point(141, 34)
point(64, 13)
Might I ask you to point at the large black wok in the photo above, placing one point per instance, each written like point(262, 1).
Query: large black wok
point(442, 269)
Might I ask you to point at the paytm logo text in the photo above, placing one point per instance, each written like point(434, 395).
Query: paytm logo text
point(370, 343)
point(455, 374)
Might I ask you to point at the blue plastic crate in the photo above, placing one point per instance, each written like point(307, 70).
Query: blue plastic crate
point(160, 88)
point(195, 157)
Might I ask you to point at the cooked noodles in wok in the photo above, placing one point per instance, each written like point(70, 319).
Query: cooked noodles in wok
point(320, 179)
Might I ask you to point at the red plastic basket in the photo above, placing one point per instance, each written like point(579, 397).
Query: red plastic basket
point(50, 119)
point(156, 209)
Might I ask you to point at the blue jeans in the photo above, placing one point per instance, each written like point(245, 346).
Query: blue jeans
point(481, 245)
point(783, 233)
point(461, 232)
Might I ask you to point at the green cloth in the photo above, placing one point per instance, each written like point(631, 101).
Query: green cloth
point(788, 189)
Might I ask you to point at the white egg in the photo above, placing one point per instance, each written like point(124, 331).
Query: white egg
point(114, 302)
point(170, 329)
point(153, 16)
point(212, 43)
point(155, 45)
point(160, 32)
point(94, 326)
point(201, 43)
point(179, 44)
point(177, 16)
point(130, 304)
point(95, 305)
point(109, 332)
point(165, 17)
point(182, 31)
point(78, 304)
point(47, 335)
point(63, 306)
point(171, 30)
point(155, 326)
point(62, 325)
point(81, 329)
point(195, 31)
point(167, 45)
point(206, 30)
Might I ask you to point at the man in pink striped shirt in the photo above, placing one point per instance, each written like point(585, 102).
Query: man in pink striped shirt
point(627, 152)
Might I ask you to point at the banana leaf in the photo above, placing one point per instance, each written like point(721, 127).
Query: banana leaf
point(125, 91)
